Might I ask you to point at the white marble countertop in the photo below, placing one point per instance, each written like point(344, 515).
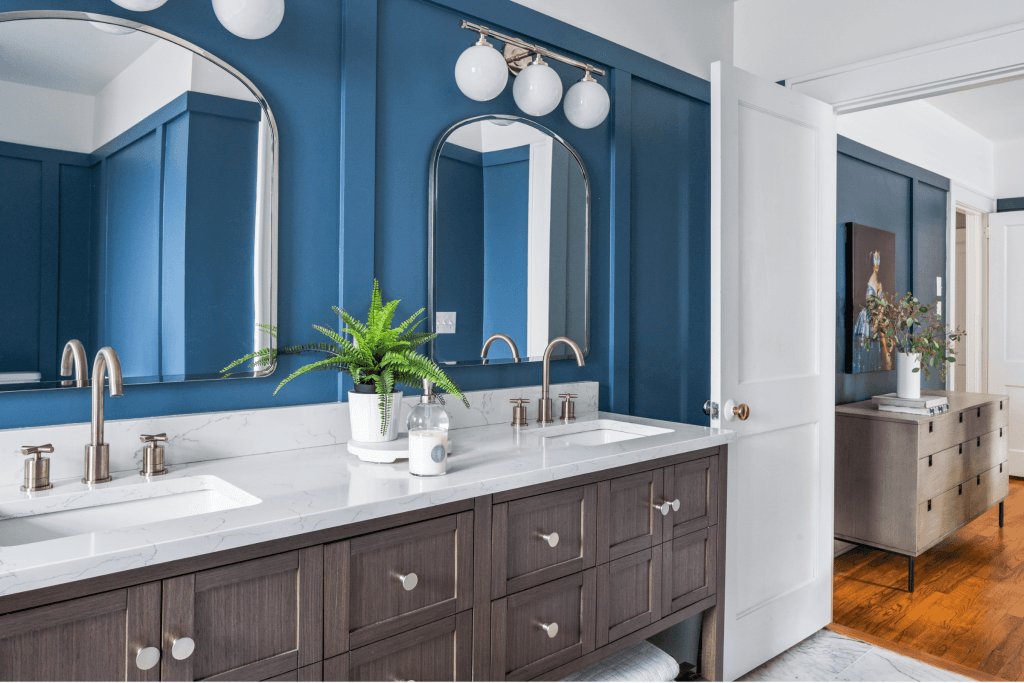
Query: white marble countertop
point(316, 488)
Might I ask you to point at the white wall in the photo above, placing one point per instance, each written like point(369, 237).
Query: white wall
point(686, 34)
point(45, 118)
point(788, 38)
point(920, 134)
point(1009, 168)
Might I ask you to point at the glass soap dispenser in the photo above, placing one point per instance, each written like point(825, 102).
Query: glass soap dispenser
point(428, 435)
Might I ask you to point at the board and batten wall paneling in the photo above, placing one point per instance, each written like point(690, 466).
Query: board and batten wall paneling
point(887, 193)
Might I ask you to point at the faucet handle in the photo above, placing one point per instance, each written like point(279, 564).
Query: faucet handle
point(153, 455)
point(36, 450)
point(568, 407)
point(147, 438)
point(519, 418)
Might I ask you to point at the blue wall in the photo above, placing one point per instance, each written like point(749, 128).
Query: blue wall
point(357, 127)
point(883, 192)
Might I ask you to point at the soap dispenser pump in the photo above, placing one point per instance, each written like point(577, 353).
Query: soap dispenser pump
point(428, 435)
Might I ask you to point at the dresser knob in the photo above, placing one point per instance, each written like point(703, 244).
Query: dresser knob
point(551, 539)
point(147, 657)
point(667, 507)
point(550, 629)
point(408, 581)
point(182, 648)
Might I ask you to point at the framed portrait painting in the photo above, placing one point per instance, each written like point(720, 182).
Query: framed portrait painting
point(871, 270)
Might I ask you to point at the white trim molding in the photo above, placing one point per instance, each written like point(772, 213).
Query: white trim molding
point(970, 61)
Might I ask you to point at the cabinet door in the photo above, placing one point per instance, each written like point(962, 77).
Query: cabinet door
point(89, 639)
point(250, 621)
point(690, 568)
point(627, 520)
point(628, 594)
point(695, 485)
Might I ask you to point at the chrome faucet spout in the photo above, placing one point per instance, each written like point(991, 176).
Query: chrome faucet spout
point(505, 338)
point(544, 411)
point(73, 360)
point(97, 453)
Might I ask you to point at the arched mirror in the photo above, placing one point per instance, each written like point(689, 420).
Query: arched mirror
point(509, 242)
point(139, 203)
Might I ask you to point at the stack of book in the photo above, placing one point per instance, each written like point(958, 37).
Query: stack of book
point(926, 405)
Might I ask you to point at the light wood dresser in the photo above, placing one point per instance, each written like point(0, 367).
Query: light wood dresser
point(906, 482)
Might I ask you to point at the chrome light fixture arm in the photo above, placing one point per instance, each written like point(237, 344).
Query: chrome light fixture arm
point(531, 48)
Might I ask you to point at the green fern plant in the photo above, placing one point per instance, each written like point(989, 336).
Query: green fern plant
point(373, 353)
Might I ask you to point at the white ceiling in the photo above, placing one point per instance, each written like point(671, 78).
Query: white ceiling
point(64, 54)
point(993, 111)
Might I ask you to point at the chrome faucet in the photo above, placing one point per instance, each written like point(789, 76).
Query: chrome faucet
point(505, 338)
point(73, 360)
point(97, 453)
point(544, 410)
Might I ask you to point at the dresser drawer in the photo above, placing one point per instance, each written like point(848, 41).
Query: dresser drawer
point(941, 471)
point(537, 539)
point(543, 628)
point(987, 418)
point(987, 489)
point(440, 651)
point(942, 432)
point(695, 485)
point(628, 594)
point(987, 451)
point(627, 519)
point(942, 514)
point(381, 584)
point(690, 567)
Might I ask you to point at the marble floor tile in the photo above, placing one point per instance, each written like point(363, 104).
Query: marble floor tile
point(883, 665)
point(821, 657)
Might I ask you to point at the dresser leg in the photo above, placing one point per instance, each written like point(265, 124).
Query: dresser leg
point(1001, 512)
point(910, 574)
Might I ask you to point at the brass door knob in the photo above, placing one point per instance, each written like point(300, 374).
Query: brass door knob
point(742, 411)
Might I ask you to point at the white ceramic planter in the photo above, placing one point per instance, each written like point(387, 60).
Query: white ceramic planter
point(364, 415)
point(908, 382)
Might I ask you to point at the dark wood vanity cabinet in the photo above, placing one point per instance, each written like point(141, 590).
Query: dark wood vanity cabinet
point(534, 583)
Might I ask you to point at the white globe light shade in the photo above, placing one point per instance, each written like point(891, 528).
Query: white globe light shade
point(586, 104)
point(537, 89)
point(139, 5)
point(481, 72)
point(250, 19)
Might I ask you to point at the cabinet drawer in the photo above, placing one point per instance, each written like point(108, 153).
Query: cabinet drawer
point(941, 514)
point(440, 651)
point(365, 595)
point(941, 471)
point(628, 594)
point(690, 566)
point(987, 451)
point(627, 519)
point(542, 628)
point(525, 551)
point(987, 489)
point(695, 485)
point(987, 418)
point(942, 432)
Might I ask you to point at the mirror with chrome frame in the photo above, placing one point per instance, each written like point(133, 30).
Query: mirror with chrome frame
point(509, 243)
point(139, 203)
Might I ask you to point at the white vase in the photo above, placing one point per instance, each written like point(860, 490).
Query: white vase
point(908, 382)
point(365, 418)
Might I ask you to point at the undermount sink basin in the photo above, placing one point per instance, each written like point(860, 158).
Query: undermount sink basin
point(59, 515)
point(598, 433)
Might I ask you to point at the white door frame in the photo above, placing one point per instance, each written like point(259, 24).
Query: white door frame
point(977, 304)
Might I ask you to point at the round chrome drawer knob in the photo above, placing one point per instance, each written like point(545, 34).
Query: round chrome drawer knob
point(409, 581)
point(664, 508)
point(550, 629)
point(147, 657)
point(551, 539)
point(182, 648)
point(675, 505)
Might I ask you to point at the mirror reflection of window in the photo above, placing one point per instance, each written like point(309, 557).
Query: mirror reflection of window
point(510, 240)
point(132, 170)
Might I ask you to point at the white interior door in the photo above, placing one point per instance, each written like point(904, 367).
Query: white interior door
point(1006, 323)
point(773, 247)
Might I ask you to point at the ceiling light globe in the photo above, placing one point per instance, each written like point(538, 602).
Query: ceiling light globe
point(537, 89)
point(250, 19)
point(139, 5)
point(481, 72)
point(587, 103)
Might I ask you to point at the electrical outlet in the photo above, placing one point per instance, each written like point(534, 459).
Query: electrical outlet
point(445, 323)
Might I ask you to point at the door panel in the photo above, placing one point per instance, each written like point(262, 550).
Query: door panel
point(628, 521)
point(773, 348)
point(1006, 323)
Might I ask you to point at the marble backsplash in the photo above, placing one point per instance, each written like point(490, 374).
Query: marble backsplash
point(211, 436)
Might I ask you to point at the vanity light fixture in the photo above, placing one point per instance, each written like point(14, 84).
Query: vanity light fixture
point(481, 74)
point(250, 19)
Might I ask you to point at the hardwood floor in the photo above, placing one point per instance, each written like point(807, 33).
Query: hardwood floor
point(967, 610)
